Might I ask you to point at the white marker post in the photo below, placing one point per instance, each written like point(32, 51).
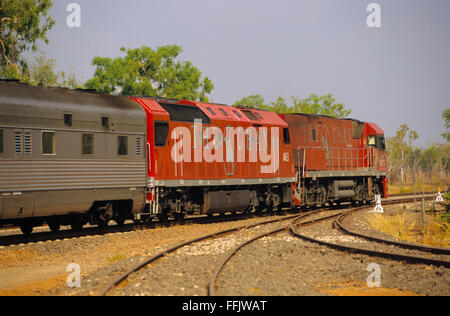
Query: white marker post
point(378, 208)
point(439, 198)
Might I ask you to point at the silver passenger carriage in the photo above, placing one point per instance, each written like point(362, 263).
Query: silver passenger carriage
point(69, 157)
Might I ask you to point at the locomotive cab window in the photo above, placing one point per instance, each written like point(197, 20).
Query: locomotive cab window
point(371, 140)
point(161, 133)
point(381, 144)
point(48, 143)
point(122, 145)
point(1, 141)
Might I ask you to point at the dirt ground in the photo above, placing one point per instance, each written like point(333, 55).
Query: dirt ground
point(39, 269)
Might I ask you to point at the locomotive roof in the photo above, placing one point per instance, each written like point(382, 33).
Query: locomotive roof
point(24, 104)
point(187, 111)
point(325, 116)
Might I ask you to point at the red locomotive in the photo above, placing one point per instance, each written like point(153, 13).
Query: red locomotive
point(336, 159)
point(212, 158)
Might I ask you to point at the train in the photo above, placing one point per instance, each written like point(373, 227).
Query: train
point(73, 157)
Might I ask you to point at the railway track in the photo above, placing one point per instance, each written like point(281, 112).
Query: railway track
point(176, 247)
point(160, 276)
point(212, 283)
point(298, 223)
point(290, 218)
point(295, 221)
point(418, 254)
point(12, 236)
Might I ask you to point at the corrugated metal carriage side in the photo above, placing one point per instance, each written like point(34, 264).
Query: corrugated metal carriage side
point(68, 157)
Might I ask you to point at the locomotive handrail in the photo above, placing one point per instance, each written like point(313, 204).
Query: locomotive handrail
point(340, 158)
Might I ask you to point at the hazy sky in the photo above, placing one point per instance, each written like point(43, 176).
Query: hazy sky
point(398, 73)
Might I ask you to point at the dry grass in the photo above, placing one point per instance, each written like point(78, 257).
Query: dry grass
point(409, 188)
point(408, 227)
point(116, 258)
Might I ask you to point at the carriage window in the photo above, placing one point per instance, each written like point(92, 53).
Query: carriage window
point(88, 144)
point(1, 141)
point(211, 111)
point(105, 122)
point(161, 133)
point(48, 143)
point(258, 116)
point(68, 119)
point(122, 145)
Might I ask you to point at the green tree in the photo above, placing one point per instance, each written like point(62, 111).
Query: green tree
point(400, 150)
point(280, 106)
point(253, 101)
point(42, 71)
point(446, 118)
point(323, 105)
point(22, 24)
point(144, 71)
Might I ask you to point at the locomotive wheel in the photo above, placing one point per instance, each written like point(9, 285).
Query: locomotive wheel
point(54, 225)
point(76, 223)
point(120, 221)
point(103, 224)
point(179, 216)
point(26, 228)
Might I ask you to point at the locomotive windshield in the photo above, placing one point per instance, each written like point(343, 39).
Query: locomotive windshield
point(377, 141)
point(381, 144)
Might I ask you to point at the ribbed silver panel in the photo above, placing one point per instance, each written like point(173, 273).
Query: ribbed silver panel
point(37, 175)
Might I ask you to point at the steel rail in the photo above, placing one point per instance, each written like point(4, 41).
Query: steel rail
point(220, 268)
point(164, 253)
point(44, 236)
point(375, 253)
point(15, 239)
point(347, 230)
